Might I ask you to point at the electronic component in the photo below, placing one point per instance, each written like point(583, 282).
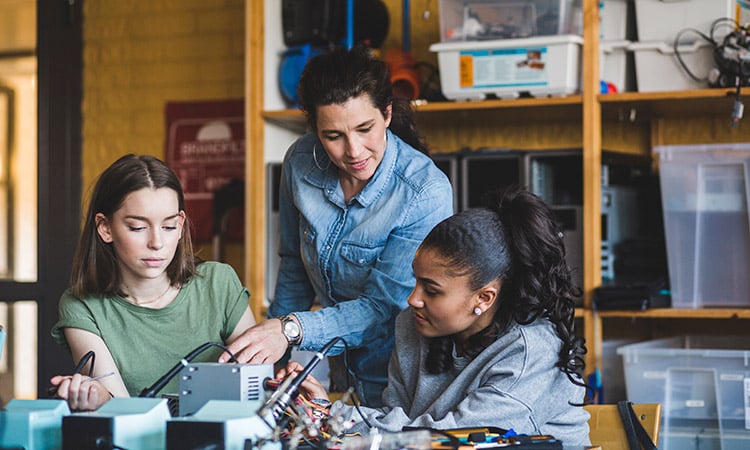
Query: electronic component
point(201, 382)
point(225, 424)
point(731, 55)
point(122, 422)
point(417, 439)
point(32, 424)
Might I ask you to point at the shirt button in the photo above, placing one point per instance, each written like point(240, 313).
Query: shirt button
point(361, 261)
point(329, 191)
point(328, 247)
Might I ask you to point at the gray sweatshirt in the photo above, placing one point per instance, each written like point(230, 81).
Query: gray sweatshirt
point(513, 383)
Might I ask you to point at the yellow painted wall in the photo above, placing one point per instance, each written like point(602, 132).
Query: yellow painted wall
point(139, 55)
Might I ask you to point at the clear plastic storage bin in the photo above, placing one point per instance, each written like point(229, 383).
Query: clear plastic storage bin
point(705, 202)
point(702, 383)
point(477, 20)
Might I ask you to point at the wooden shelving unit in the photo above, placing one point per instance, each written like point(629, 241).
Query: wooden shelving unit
point(630, 122)
point(673, 313)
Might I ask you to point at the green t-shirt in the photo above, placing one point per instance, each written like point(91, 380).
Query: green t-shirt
point(145, 343)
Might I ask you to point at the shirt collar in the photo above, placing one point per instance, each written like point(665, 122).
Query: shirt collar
point(328, 179)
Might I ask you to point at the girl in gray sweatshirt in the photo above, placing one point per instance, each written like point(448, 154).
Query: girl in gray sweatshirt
point(488, 338)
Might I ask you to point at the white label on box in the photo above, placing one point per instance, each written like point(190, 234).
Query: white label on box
point(652, 374)
point(747, 403)
point(731, 377)
point(492, 68)
point(744, 12)
point(695, 403)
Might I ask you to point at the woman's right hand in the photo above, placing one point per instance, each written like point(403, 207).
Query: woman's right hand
point(310, 387)
point(81, 393)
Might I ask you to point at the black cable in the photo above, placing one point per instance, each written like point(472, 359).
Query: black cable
point(161, 382)
point(289, 388)
point(731, 23)
point(226, 350)
point(318, 444)
point(285, 393)
point(737, 106)
point(351, 380)
point(90, 355)
point(675, 47)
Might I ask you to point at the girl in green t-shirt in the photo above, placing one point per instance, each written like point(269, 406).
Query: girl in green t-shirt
point(139, 298)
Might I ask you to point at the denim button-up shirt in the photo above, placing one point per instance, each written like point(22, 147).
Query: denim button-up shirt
point(354, 257)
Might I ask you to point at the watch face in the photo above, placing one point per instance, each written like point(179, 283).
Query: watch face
point(291, 329)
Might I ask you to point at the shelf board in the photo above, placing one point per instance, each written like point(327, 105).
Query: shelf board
point(291, 119)
point(626, 106)
point(568, 108)
point(572, 101)
point(634, 106)
point(674, 313)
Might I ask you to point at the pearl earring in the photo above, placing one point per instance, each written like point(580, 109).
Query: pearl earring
point(478, 311)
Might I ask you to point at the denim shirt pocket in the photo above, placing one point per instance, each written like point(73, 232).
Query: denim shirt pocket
point(354, 268)
point(359, 255)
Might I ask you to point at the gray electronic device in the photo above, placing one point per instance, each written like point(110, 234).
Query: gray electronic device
point(201, 382)
point(120, 423)
point(619, 222)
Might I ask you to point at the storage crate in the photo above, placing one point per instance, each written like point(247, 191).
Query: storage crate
point(705, 204)
point(473, 20)
point(613, 372)
point(508, 68)
point(614, 20)
point(661, 20)
point(615, 65)
point(702, 383)
point(658, 68)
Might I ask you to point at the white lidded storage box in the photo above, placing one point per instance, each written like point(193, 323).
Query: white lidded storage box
point(704, 191)
point(508, 68)
point(614, 20)
point(614, 64)
point(658, 68)
point(702, 383)
point(473, 20)
point(661, 20)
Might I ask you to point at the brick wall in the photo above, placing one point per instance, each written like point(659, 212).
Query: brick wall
point(139, 55)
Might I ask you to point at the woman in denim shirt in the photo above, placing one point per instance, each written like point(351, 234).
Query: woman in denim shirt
point(357, 197)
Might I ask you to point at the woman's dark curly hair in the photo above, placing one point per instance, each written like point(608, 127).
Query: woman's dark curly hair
point(340, 75)
point(515, 240)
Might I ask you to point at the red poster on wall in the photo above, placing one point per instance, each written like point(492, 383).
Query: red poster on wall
point(206, 149)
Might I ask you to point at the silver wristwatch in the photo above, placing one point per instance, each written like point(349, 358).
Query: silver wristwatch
point(291, 330)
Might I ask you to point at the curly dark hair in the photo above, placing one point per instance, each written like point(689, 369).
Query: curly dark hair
point(516, 240)
point(341, 74)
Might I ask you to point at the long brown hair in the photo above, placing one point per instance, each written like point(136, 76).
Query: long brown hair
point(95, 265)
